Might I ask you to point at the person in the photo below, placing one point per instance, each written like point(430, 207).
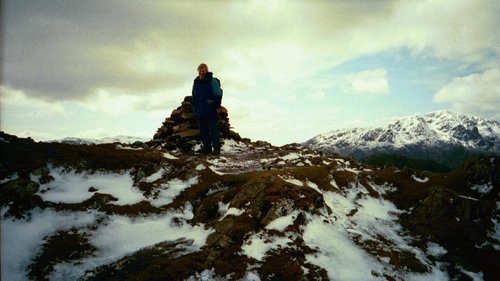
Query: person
point(206, 100)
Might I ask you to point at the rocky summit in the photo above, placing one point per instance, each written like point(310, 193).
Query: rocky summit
point(180, 130)
point(162, 211)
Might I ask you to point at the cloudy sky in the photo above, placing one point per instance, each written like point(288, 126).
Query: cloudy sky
point(289, 69)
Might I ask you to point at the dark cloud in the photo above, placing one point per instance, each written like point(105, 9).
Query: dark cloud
point(67, 49)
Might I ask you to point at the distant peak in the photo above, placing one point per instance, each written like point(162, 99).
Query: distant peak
point(415, 135)
point(451, 114)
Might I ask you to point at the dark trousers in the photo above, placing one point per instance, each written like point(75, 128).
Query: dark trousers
point(209, 131)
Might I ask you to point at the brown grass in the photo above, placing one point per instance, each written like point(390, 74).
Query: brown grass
point(26, 157)
point(61, 247)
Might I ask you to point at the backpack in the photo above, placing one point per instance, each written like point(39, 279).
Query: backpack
point(218, 81)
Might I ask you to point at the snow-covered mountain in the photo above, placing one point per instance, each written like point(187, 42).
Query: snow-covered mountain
point(115, 139)
point(436, 135)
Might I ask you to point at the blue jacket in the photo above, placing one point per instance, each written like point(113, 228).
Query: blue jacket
point(206, 96)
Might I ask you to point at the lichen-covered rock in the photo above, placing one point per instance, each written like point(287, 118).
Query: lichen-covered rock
point(17, 189)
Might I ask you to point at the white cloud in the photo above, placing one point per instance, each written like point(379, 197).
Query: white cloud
point(474, 93)
point(254, 118)
point(276, 122)
point(37, 135)
point(26, 116)
point(371, 82)
point(318, 95)
point(18, 105)
point(117, 102)
point(446, 28)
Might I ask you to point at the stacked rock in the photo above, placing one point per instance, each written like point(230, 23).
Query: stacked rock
point(180, 130)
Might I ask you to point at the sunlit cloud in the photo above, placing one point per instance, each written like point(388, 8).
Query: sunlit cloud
point(474, 93)
point(371, 82)
point(27, 106)
point(116, 102)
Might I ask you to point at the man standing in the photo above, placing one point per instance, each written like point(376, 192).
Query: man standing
point(206, 101)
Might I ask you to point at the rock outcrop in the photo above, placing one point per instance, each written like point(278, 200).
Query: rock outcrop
point(180, 129)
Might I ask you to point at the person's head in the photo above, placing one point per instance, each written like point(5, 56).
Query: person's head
point(202, 70)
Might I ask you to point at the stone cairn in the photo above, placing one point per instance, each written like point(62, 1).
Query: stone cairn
point(180, 130)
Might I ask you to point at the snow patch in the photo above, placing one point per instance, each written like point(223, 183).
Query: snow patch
point(292, 180)
point(22, 239)
point(73, 187)
point(259, 244)
point(282, 223)
point(468, 197)
point(355, 219)
point(123, 235)
point(214, 169)
point(474, 276)
point(231, 212)
point(313, 186)
point(200, 167)
point(168, 191)
point(435, 274)
point(252, 276)
point(426, 179)
point(119, 146)
point(290, 156)
point(234, 212)
point(223, 209)
point(120, 236)
point(334, 184)
point(208, 275)
point(483, 188)
point(154, 177)
point(232, 145)
point(495, 234)
point(435, 250)
point(337, 253)
point(12, 177)
point(169, 156)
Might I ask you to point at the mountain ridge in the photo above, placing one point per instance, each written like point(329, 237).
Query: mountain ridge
point(435, 135)
point(124, 139)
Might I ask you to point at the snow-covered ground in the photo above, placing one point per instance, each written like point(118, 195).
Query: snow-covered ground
point(70, 186)
point(340, 237)
point(355, 235)
point(114, 236)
